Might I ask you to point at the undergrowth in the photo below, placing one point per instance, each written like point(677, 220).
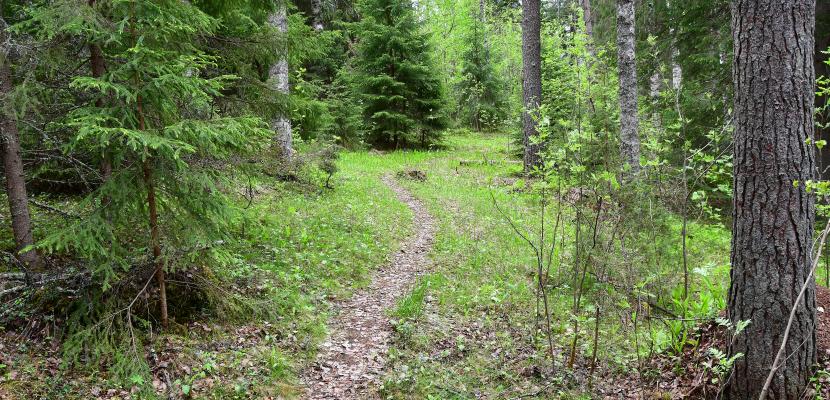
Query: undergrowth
point(477, 334)
point(248, 312)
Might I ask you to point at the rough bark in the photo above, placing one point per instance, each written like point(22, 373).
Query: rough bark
point(531, 80)
point(773, 218)
point(278, 78)
point(13, 168)
point(629, 121)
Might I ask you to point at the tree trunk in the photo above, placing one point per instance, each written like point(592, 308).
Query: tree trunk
point(676, 70)
point(278, 78)
point(589, 25)
point(316, 15)
point(13, 165)
point(531, 80)
point(629, 122)
point(98, 66)
point(155, 237)
point(773, 214)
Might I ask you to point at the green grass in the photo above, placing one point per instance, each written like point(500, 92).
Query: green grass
point(467, 330)
point(476, 338)
point(298, 248)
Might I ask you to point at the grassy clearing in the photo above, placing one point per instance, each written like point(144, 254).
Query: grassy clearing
point(475, 336)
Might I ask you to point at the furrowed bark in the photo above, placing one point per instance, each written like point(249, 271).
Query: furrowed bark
point(773, 214)
point(531, 80)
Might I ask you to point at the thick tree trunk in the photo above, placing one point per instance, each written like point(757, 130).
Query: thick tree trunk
point(278, 78)
point(629, 121)
point(773, 215)
point(531, 80)
point(15, 178)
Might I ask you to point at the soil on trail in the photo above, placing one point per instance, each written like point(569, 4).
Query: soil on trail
point(352, 359)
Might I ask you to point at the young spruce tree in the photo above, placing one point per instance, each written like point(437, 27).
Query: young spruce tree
point(402, 96)
point(481, 89)
point(152, 114)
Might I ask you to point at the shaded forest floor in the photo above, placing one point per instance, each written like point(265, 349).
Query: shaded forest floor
point(466, 329)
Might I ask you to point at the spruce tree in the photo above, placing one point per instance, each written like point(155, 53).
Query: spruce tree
point(13, 162)
point(151, 112)
point(401, 93)
point(481, 90)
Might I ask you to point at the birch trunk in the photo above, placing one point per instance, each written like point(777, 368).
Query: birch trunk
point(316, 15)
point(278, 79)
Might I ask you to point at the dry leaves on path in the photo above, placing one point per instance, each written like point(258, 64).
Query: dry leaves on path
point(353, 357)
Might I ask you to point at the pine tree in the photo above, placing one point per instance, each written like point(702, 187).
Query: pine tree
point(402, 96)
point(774, 213)
point(481, 89)
point(531, 81)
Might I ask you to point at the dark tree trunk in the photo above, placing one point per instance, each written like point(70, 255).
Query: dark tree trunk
point(15, 178)
point(629, 121)
point(531, 80)
point(773, 218)
point(98, 66)
point(153, 220)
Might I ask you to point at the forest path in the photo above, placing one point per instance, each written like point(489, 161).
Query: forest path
point(352, 358)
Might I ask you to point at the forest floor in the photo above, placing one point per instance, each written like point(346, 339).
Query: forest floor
point(352, 359)
point(404, 282)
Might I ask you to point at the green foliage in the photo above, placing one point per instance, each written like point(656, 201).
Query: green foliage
point(402, 96)
point(152, 84)
point(480, 89)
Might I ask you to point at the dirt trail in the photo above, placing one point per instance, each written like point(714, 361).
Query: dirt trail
point(352, 358)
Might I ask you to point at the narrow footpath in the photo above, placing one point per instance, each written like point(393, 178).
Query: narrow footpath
point(351, 360)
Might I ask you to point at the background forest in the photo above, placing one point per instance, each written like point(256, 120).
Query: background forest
point(197, 187)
